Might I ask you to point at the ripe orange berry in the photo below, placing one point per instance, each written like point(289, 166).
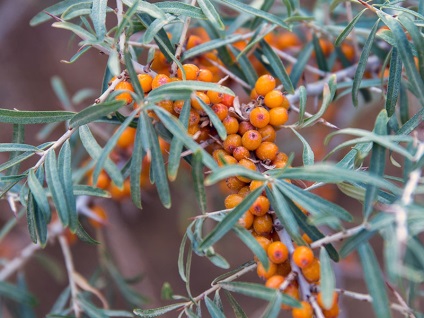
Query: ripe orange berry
point(292, 291)
point(193, 41)
point(265, 84)
point(205, 75)
point(231, 125)
point(306, 238)
point(267, 151)
point(321, 303)
point(227, 100)
point(348, 51)
point(191, 72)
point(145, 81)
point(244, 191)
point(125, 96)
point(232, 142)
point(259, 117)
point(226, 160)
point(100, 214)
point(255, 184)
point(178, 106)
point(234, 184)
point(103, 181)
point(251, 140)
point(244, 127)
point(274, 281)
point(215, 97)
point(249, 165)
point(333, 312)
point(193, 130)
point(303, 256)
point(287, 40)
point(246, 220)
point(262, 224)
point(220, 110)
point(127, 138)
point(265, 274)
point(195, 103)
point(241, 153)
point(160, 80)
point(263, 241)
point(193, 118)
point(278, 116)
point(284, 268)
point(118, 194)
point(260, 206)
point(274, 98)
point(253, 94)
point(268, 133)
point(281, 156)
point(277, 252)
point(232, 200)
point(305, 311)
point(168, 105)
point(218, 154)
point(312, 272)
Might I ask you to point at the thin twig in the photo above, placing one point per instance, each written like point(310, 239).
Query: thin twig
point(119, 13)
point(337, 236)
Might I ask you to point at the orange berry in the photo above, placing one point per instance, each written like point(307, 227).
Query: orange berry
point(321, 303)
point(326, 46)
point(193, 41)
point(260, 206)
point(196, 104)
point(244, 191)
point(232, 200)
point(253, 94)
point(193, 118)
point(101, 215)
point(348, 51)
point(277, 252)
point(274, 281)
point(259, 117)
point(226, 160)
point(284, 268)
point(303, 256)
point(267, 151)
point(281, 156)
point(205, 75)
point(219, 153)
point(251, 140)
point(145, 81)
point(262, 224)
point(191, 72)
point(241, 153)
point(265, 84)
point(246, 220)
point(268, 133)
point(192, 130)
point(168, 105)
point(312, 271)
point(278, 116)
point(234, 184)
point(255, 184)
point(205, 133)
point(160, 80)
point(263, 242)
point(178, 106)
point(103, 181)
point(305, 311)
point(306, 238)
point(118, 194)
point(247, 164)
point(125, 96)
point(265, 274)
point(333, 312)
point(274, 98)
point(215, 97)
point(220, 110)
point(244, 127)
point(127, 138)
point(231, 125)
point(227, 100)
point(232, 142)
point(287, 40)
point(292, 291)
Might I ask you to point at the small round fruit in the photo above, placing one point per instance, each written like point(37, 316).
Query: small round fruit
point(231, 125)
point(232, 142)
point(196, 104)
point(159, 80)
point(191, 72)
point(234, 184)
point(220, 110)
point(305, 311)
point(278, 116)
point(232, 200)
point(321, 303)
point(192, 41)
point(246, 220)
point(205, 75)
point(260, 206)
point(215, 97)
point(312, 272)
point(244, 127)
point(274, 281)
point(241, 153)
point(277, 252)
point(251, 140)
point(244, 191)
point(262, 224)
point(268, 133)
point(265, 274)
point(127, 138)
point(125, 96)
point(274, 98)
point(145, 81)
point(267, 151)
point(265, 84)
point(249, 165)
point(303, 256)
point(259, 117)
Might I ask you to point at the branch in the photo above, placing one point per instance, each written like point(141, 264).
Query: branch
point(337, 236)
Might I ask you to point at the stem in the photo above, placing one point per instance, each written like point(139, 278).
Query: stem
point(337, 236)
point(119, 13)
point(70, 269)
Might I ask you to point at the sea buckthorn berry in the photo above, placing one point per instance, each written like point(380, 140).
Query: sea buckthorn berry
point(103, 180)
point(196, 104)
point(247, 164)
point(178, 106)
point(287, 40)
point(263, 242)
point(232, 142)
point(244, 191)
point(232, 200)
point(205, 133)
point(267, 151)
point(279, 164)
point(278, 116)
point(205, 75)
point(192, 130)
point(160, 80)
point(265, 84)
point(284, 268)
point(303, 256)
point(234, 184)
point(262, 224)
point(231, 125)
point(274, 98)
point(251, 139)
point(193, 41)
point(127, 138)
point(260, 206)
point(305, 311)
point(120, 194)
point(321, 303)
point(159, 61)
point(268, 133)
point(348, 51)
point(226, 160)
point(326, 46)
point(244, 127)
point(145, 81)
point(246, 220)
point(312, 271)
point(306, 238)
point(277, 252)
point(227, 100)
point(219, 153)
point(255, 184)
point(215, 97)
point(274, 281)
point(193, 118)
point(253, 94)
point(292, 291)
point(125, 96)
point(281, 156)
point(259, 117)
point(101, 215)
point(168, 105)
point(333, 312)
point(220, 110)
point(191, 72)
point(265, 274)
point(241, 153)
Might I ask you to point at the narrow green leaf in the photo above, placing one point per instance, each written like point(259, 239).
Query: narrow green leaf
point(133, 75)
point(230, 219)
point(89, 308)
point(246, 67)
point(238, 310)
point(136, 166)
point(146, 7)
point(16, 294)
point(319, 54)
point(328, 279)
point(274, 307)
point(211, 14)
point(247, 238)
point(303, 96)
point(55, 10)
point(342, 36)
point(216, 122)
point(362, 64)
point(61, 92)
point(39, 194)
point(199, 180)
point(90, 191)
point(94, 112)
point(181, 269)
point(147, 313)
point(231, 171)
point(11, 147)
point(375, 281)
point(19, 138)
point(169, 88)
point(302, 60)
point(308, 154)
point(76, 10)
point(394, 82)
point(277, 67)
point(39, 221)
point(182, 9)
point(213, 309)
point(84, 236)
point(56, 188)
point(61, 301)
point(76, 29)
point(33, 117)
point(353, 242)
point(30, 217)
point(98, 16)
point(155, 27)
point(241, 7)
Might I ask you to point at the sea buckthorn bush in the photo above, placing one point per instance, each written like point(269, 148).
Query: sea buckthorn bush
point(307, 115)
